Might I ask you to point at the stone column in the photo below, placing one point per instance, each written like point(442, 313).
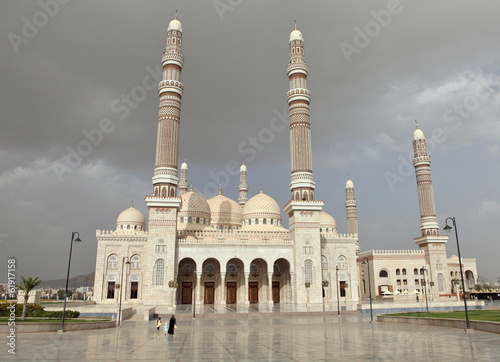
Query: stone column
point(223, 286)
point(246, 296)
point(198, 288)
point(270, 287)
point(291, 281)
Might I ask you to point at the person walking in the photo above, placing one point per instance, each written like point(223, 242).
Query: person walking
point(172, 325)
point(158, 324)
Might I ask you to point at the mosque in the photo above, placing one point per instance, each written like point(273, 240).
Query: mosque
point(221, 251)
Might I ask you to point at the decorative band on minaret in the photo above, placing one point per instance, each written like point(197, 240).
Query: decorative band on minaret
point(170, 90)
point(298, 97)
point(350, 208)
point(243, 186)
point(422, 163)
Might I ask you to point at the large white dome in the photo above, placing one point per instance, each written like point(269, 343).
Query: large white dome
point(130, 218)
point(327, 222)
point(225, 212)
point(261, 205)
point(194, 205)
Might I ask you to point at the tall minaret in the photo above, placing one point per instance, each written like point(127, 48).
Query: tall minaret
point(302, 209)
point(422, 163)
point(298, 97)
point(170, 90)
point(243, 186)
point(433, 244)
point(183, 182)
point(350, 208)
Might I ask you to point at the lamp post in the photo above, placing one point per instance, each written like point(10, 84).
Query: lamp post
point(73, 234)
point(338, 287)
point(369, 288)
point(121, 291)
point(448, 228)
point(425, 290)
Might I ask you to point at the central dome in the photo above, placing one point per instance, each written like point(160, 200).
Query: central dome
point(225, 212)
point(327, 222)
point(130, 218)
point(261, 205)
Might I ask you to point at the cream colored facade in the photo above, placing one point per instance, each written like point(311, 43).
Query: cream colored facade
point(220, 251)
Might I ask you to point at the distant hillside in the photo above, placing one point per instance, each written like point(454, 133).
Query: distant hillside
point(76, 282)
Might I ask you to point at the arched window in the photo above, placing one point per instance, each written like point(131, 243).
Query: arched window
point(135, 262)
point(254, 268)
point(342, 262)
point(415, 271)
point(190, 219)
point(308, 275)
point(197, 220)
point(398, 272)
point(276, 268)
point(159, 272)
point(209, 268)
point(383, 274)
point(112, 261)
point(264, 221)
point(231, 268)
point(187, 268)
point(403, 271)
point(256, 221)
point(182, 219)
point(134, 286)
point(111, 287)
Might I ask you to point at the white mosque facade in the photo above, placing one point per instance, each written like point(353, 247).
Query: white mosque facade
point(221, 251)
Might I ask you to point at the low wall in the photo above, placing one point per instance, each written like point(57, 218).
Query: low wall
point(54, 327)
point(483, 326)
point(384, 308)
point(149, 314)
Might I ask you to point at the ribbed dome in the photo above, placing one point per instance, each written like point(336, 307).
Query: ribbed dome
point(296, 35)
point(261, 205)
point(175, 25)
point(418, 134)
point(326, 221)
point(194, 205)
point(225, 212)
point(130, 216)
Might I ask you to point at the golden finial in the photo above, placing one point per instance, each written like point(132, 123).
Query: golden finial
point(220, 188)
point(295, 24)
point(191, 186)
point(416, 124)
point(260, 189)
point(175, 17)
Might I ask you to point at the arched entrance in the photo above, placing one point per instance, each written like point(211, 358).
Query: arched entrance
point(186, 276)
point(280, 282)
point(211, 281)
point(234, 280)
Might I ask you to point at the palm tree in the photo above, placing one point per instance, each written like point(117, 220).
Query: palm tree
point(27, 286)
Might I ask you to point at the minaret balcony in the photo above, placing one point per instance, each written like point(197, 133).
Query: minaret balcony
point(171, 86)
point(421, 159)
point(172, 58)
point(297, 67)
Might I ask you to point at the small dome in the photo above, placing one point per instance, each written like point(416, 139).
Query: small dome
point(243, 168)
point(132, 217)
point(225, 212)
point(194, 205)
point(184, 166)
point(296, 35)
point(175, 25)
point(349, 184)
point(326, 221)
point(418, 134)
point(261, 205)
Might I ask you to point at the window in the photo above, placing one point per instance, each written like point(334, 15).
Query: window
point(135, 262)
point(415, 271)
point(403, 271)
point(342, 262)
point(111, 290)
point(256, 221)
point(159, 272)
point(187, 268)
point(209, 268)
point(383, 274)
point(422, 271)
point(416, 282)
point(276, 268)
point(231, 268)
point(405, 281)
point(197, 220)
point(134, 286)
point(308, 266)
point(398, 281)
point(254, 268)
point(182, 219)
point(161, 248)
point(112, 261)
point(439, 265)
point(264, 221)
point(398, 272)
point(190, 220)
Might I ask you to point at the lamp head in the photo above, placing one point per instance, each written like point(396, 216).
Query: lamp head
point(447, 228)
point(77, 234)
point(364, 262)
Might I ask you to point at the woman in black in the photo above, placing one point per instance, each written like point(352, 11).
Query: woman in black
point(171, 325)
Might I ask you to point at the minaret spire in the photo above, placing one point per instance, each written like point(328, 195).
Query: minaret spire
point(243, 186)
point(351, 208)
point(422, 163)
point(170, 90)
point(298, 97)
point(183, 182)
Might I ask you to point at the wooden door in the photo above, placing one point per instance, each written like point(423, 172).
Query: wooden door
point(187, 293)
point(111, 290)
point(276, 292)
point(134, 287)
point(253, 292)
point(209, 292)
point(231, 293)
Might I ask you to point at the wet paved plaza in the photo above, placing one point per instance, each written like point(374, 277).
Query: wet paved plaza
point(262, 337)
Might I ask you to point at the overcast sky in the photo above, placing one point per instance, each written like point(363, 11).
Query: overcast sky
point(374, 68)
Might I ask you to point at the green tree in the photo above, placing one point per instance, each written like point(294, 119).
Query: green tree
point(478, 287)
point(27, 286)
point(60, 294)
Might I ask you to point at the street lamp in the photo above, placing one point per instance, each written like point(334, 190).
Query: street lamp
point(121, 291)
point(448, 228)
point(73, 234)
point(369, 288)
point(338, 286)
point(425, 289)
